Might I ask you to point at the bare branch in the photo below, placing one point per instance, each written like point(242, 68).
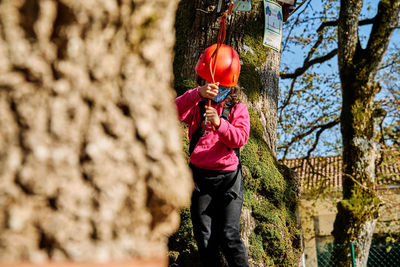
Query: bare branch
point(320, 128)
point(297, 19)
point(335, 23)
point(318, 135)
point(290, 94)
point(327, 24)
point(388, 65)
point(308, 64)
point(302, 3)
point(366, 22)
point(361, 185)
point(384, 21)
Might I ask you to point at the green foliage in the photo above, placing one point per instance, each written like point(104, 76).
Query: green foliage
point(250, 80)
point(389, 78)
point(386, 238)
point(185, 140)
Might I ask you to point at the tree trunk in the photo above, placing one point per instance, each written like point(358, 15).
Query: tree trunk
point(243, 29)
point(197, 27)
point(358, 211)
point(88, 170)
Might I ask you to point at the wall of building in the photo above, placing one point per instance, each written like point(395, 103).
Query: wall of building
point(318, 215)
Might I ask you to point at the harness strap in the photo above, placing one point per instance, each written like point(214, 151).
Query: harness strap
point(200, 130)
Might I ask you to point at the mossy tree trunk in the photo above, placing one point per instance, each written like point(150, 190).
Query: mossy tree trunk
point(244, 32)
point(358, 211)
point(88, 171)
point(269, 223)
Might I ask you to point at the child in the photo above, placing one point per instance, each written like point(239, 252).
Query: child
point(218, 196)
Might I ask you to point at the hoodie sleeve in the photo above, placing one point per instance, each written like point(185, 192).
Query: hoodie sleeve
point(186, 103)
point(236, 133)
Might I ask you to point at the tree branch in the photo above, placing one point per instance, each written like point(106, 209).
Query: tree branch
point(320, 128)
point(300, 5)
point(335, 23)
point(290, 94)
point(318, 135)
point(294, 23)
point(348, 32)
point(384, 23)
point(308, 64)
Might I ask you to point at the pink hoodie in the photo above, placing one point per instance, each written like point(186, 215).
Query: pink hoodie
point(214, 151)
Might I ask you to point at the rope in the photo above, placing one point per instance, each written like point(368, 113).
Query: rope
point(221, 39)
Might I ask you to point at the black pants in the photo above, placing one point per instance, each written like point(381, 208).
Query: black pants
point(215, 217)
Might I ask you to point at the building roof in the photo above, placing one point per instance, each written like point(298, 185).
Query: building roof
point(327, 171)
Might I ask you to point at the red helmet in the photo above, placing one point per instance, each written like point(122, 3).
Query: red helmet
point(227, 69)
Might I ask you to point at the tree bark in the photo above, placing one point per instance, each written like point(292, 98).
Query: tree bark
point(358, 210)
point(197, 27)
point(88, 170)
point(203, 31)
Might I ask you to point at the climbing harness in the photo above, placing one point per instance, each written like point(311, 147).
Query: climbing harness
point(199, 132)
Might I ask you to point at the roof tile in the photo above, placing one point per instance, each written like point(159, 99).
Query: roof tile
point(327, 171)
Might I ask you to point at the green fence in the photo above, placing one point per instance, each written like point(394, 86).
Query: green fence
point(379, 255)
point(384, 255)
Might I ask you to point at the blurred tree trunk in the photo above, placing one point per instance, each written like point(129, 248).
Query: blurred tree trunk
point(88, 171)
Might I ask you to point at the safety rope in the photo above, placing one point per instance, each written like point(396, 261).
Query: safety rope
point(221, 39)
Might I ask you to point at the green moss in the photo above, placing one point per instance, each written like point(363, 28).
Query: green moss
point(352, 215)
point(248, 197)
point(250, 80)
point(257, 249)
point(255, 55)
point(359, 116)
point(353, 212)
point(272, 200)
point(265, 178)
point(185, 140)
point(182, 246)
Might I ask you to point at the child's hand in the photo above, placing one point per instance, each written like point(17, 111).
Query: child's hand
point(212, 116)
point(209, 90)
